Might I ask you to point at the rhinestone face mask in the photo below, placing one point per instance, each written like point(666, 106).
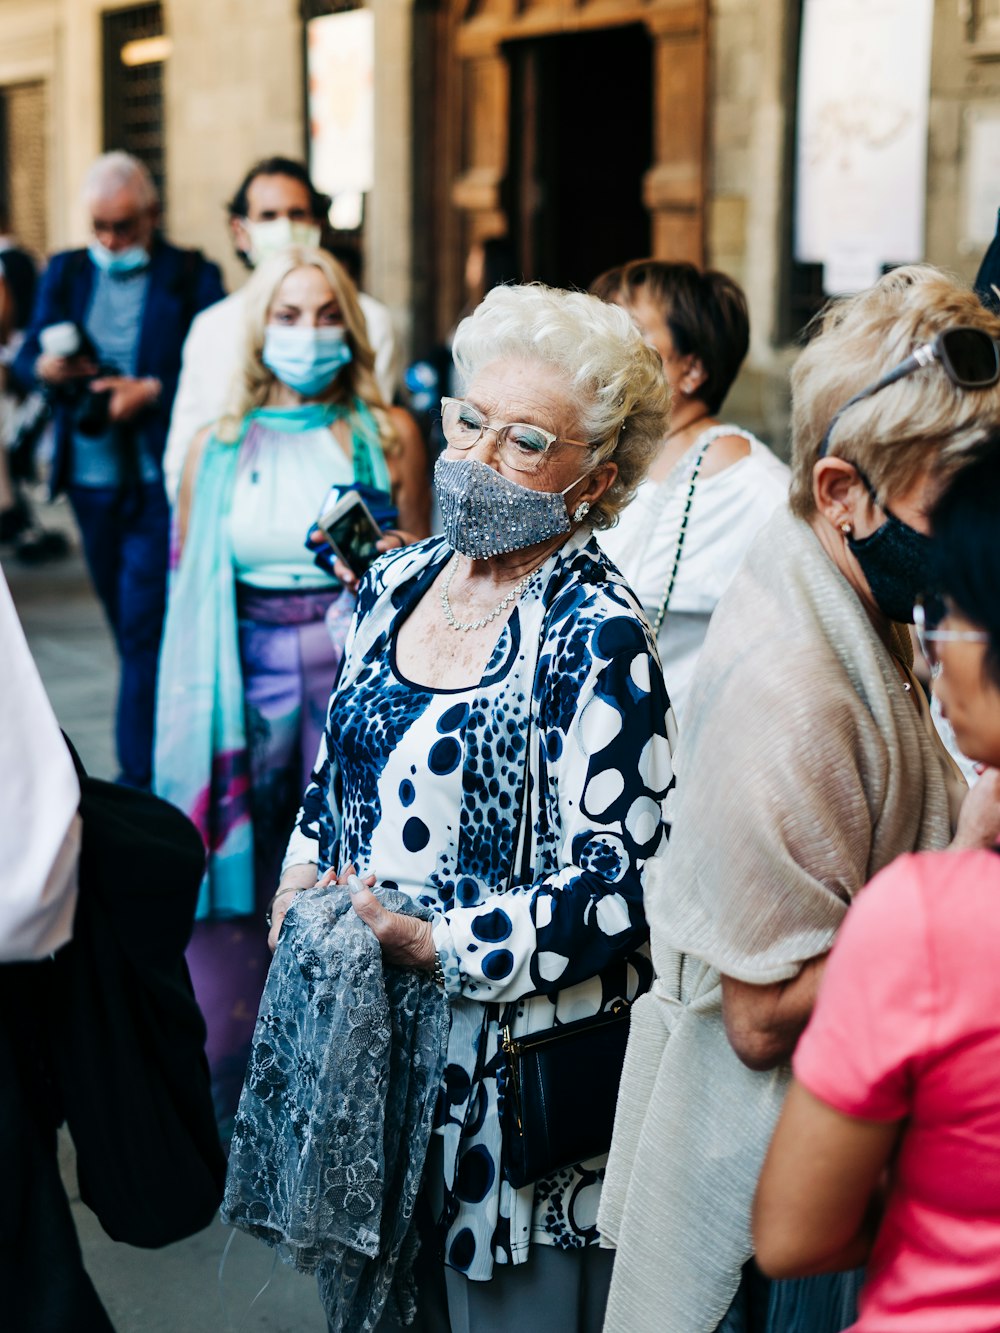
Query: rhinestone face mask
point(486, 514)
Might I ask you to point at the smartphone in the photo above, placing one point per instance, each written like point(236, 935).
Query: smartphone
point(352, 532)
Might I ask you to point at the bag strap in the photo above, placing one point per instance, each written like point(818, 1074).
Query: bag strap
point(682, 533)
point(520, 852)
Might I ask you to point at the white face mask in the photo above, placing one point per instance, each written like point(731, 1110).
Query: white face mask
point(268, 238)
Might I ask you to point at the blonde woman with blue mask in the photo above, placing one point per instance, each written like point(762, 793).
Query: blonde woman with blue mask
point(254, 629)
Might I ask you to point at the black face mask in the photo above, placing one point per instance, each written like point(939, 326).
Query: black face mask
point(896, 561)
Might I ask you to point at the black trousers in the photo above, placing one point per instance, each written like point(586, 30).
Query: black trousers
point(44, 1287)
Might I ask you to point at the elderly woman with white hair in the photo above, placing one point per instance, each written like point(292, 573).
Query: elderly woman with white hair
point(498, 750)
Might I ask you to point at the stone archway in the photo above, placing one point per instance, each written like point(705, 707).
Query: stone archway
point(479, 37)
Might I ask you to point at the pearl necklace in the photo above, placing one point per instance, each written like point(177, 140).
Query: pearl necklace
point(455, 623)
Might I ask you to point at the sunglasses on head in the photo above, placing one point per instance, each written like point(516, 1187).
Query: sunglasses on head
point(969, 357)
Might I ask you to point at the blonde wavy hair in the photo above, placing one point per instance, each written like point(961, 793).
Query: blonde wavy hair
point(253, 382)
point(921, 421)
point(621, 397)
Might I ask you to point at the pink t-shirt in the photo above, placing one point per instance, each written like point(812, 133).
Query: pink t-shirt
point(908, 1025)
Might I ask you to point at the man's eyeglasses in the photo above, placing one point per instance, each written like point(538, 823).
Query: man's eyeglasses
point(522, 447)
point(119, 229)
point(969, 357)
point(928, 615)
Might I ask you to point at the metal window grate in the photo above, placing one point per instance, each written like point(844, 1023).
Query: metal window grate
point(133, 93)
point(23, 163)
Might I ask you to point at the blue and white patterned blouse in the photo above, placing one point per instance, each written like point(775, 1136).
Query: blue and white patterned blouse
point(541, 924)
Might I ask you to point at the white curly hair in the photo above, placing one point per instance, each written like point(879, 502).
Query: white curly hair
point(617, 381)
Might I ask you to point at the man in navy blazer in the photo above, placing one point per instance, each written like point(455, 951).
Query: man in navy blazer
point(105, 346)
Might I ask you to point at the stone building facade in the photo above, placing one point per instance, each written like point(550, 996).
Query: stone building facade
point(587, 129)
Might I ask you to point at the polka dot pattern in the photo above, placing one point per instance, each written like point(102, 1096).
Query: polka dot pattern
point(540, 920)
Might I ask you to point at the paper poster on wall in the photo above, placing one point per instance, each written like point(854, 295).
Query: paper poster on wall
point(981, 177)
point(861, 161)
point(341, 70)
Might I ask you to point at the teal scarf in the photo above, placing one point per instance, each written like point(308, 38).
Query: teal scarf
point(201, 763)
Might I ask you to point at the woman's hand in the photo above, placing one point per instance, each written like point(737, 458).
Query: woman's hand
point(405, 940)
point(979, 819)
point(391, 540)
point(293, 881)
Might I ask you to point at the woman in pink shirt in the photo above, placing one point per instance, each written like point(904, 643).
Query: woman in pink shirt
point(888, 1147)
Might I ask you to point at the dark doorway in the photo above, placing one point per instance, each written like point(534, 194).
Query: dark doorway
point(580, 143)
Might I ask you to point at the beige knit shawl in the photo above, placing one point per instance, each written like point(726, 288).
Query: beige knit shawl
point(803, 769)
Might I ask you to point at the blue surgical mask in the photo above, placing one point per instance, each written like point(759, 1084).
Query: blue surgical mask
point(118, 262)
point(307, 360)
point(486, 514)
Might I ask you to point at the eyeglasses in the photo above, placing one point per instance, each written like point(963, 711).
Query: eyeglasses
point(521, 446)
point(969, 357)
point(121, 230)
point(928, 615)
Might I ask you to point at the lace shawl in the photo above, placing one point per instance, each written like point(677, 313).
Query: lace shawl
point(803, 770)
point(337, 1109)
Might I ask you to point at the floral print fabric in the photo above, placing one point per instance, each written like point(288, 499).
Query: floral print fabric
point(538, 919)
point(336, 1113)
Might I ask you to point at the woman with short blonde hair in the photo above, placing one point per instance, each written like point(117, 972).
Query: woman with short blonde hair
point(808, 762)
point(920, 422)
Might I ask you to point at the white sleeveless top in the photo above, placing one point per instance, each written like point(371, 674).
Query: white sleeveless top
point(283, 475)
point(727, 510)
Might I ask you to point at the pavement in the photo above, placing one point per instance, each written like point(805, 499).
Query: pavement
point(217, 1281)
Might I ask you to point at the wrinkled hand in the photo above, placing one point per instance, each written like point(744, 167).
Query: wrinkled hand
point(295, 881)
point(63, 369)
point(979, 820)
point(129, 396)
point(405, 940)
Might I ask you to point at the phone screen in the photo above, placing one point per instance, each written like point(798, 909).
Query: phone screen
point(353, 535)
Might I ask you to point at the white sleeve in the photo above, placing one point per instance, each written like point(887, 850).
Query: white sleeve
point(383, 342)
point(201, 391)
point(39, 827)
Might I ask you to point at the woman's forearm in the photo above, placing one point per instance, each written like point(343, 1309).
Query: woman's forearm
point(763, 1023)
point(302, 876)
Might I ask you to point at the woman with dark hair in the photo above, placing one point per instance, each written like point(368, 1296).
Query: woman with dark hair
point(897, 1069)
point(712, 486)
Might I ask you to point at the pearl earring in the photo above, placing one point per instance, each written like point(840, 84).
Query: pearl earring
point(846, 529)
point(581, 511)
